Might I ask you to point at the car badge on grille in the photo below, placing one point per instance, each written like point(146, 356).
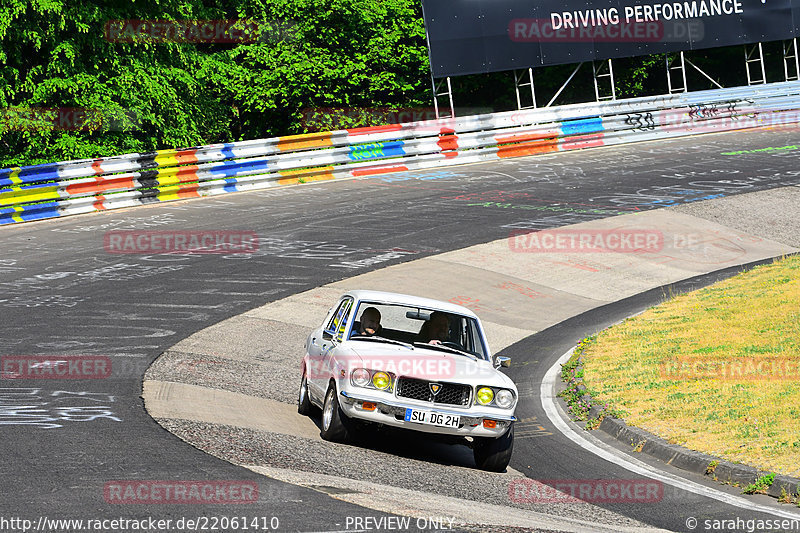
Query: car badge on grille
point(435, 388)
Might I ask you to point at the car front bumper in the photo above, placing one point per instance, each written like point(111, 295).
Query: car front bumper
point(392, 413)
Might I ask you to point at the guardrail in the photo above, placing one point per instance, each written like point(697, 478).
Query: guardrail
point(82, 186)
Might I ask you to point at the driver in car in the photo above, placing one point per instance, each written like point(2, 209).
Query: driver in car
point(370, 323)
point(436, 329)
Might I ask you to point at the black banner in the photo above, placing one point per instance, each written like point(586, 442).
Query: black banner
point(478, 36)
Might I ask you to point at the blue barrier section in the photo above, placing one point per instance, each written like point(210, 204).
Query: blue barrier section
point(582, 127)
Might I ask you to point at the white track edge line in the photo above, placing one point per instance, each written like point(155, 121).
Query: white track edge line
point(592, 444)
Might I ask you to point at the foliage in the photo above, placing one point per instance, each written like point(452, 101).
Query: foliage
point(144, 94)
point(578, 398)
point(761, 485)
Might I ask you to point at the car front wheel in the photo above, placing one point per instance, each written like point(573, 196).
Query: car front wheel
point(304, 405)
point(335, 424)
point(494, 454)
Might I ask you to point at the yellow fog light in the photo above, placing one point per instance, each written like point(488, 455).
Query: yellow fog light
point(484, 396)
point(381, 380)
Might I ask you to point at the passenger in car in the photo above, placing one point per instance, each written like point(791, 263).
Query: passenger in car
point(370, 323)
point(436, 330)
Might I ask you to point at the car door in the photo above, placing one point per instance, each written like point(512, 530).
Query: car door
point(324, 348)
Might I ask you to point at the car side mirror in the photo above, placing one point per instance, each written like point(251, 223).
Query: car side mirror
point(501, 361)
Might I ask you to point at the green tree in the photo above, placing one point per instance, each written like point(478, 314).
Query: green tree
point(145, 95)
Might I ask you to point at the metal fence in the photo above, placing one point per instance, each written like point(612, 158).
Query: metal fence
point(82, 186)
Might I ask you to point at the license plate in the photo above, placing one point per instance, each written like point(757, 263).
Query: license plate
point(432, 418)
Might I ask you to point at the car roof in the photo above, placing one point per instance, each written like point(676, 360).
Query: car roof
point(407, 299)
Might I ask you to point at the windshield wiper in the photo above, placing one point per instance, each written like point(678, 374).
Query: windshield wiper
point(445, 348)
point(380, 339)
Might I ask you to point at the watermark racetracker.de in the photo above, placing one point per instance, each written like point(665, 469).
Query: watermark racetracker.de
point(149, 523)
point(432, 368)
point(55, 367)
point(585, 491)
point(587, 241)
point(180, 242)
point(70, 367)
point(338, 118)
point(738, 369)
point(145, 492)
point(705, 248)
point(228, 31)
point(67, 119)
point(560, 29)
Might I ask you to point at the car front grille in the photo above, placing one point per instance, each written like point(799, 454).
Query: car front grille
point(419, 389)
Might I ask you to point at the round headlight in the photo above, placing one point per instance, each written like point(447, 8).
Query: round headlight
point(504, 399)
point(381, 380)
point(485, 395)
point(361, 377)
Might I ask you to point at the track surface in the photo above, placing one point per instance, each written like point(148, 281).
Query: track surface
point(565, 460)
point(63, 294)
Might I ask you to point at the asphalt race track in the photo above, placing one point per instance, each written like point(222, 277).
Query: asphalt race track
point(64, 294)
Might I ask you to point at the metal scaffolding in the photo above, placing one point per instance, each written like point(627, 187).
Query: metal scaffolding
point(439, 91)
point(598, 73)
point(520, 82)
point(681, 86)
point(676, 64)
point(790, 60)
point(754, 57)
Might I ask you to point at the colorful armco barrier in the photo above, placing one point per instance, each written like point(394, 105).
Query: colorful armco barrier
point(72, 187)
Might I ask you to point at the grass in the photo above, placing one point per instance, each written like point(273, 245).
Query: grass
point(761, 485)
point(644, 368)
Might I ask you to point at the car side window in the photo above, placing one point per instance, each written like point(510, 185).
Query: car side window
point(474, 340)
point(338, 323)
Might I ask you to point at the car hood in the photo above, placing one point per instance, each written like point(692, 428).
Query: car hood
point(422, 363)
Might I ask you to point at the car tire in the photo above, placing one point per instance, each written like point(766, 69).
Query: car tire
point(335, 424)
point(304, 405)
point(493, 454)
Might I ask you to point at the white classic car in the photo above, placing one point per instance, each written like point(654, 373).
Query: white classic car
point(409, 362)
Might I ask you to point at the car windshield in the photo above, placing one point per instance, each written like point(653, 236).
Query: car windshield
point(410, 325)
